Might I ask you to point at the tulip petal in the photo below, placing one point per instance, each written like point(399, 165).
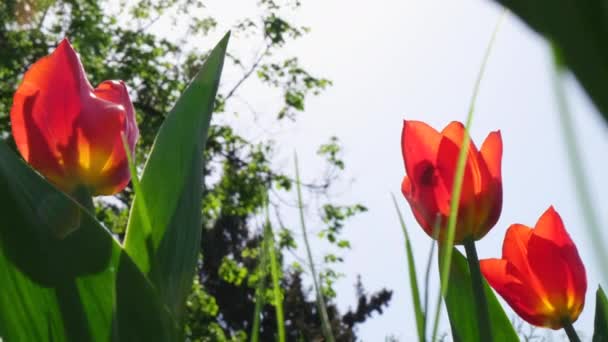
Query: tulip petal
point(423, 205)
point(491, 151)
point(425, 192)
point(555, 260)
point(116, 92)
point(447, 160)
point(419, 144)
point(551, 227)
point(506, 280)
point(113, 173)
point(515, 246)
point(31, 137)
point(57, 81)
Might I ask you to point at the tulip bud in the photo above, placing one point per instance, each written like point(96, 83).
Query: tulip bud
point(69, 131)
point(430, 159)
point(540, 274)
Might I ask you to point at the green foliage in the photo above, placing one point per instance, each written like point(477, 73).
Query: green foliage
point(600, 332)
point(231, 272)
point(460, 303)
point(78, 287)
point(331, 151)
point(419, 311)
point(168, 249)
point(581, 41)
point(295, 81)
point(334, 217)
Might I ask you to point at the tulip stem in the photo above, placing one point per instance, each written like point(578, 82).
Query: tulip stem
point(571, 332)
point(479, 294)
point(82, 195)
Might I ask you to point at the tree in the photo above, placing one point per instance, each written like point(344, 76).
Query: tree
point(238, 174)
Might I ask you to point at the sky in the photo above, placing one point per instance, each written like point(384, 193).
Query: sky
point(391, 60)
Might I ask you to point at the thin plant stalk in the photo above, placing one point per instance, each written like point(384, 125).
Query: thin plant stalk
point(274, 270)
point(326, 326)
point(570, 332)
point(577, 167)
point(260, 289)
point(481, 303)
point(427, 272)
point(418, 311)
point(446, 259)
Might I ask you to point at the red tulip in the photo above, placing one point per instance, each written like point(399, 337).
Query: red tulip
point(430, 161)
point(70, 132)
point(540, 274)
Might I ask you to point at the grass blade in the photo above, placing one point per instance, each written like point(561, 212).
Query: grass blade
point(274, 270)
point(418, 312)
point(260, 289)
point(446, 258)
point(327, 332)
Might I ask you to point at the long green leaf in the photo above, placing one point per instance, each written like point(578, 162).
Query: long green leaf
point(260, 289)
point(325, 325)
point(460, 304)
point(411, 265)
point(171, 183)
point(79, 287)
point(580, 30)
point(600, 333)
point(275, 273)
point(577, 165)
point(445, 258)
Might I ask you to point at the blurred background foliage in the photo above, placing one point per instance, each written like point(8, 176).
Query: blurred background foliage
point(115, 41)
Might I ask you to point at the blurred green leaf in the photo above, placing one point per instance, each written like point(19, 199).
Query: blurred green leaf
point(461, 306)
point(600, 333)
point(275, 272)
point(171, 188)
point(79, 287)
point(579, 29)
point(411, 266)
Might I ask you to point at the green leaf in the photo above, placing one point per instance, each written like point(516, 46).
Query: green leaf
point(411, 265)
point(164, 238)
point(600, 334)
point(579, 29)
point(461, 306)
point(275, 273)
point(55, 287)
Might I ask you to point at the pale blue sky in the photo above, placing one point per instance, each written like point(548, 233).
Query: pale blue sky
point(397, 59)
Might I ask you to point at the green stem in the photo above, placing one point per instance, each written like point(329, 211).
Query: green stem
point(70, 218)
point(260, 290)
point(325, 323)
point(571, 332)
point(82, 195)
point(446, 259)
point(485, 332)
point(274, 270)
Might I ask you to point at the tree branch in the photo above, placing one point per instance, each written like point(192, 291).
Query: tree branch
point(248, 73)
